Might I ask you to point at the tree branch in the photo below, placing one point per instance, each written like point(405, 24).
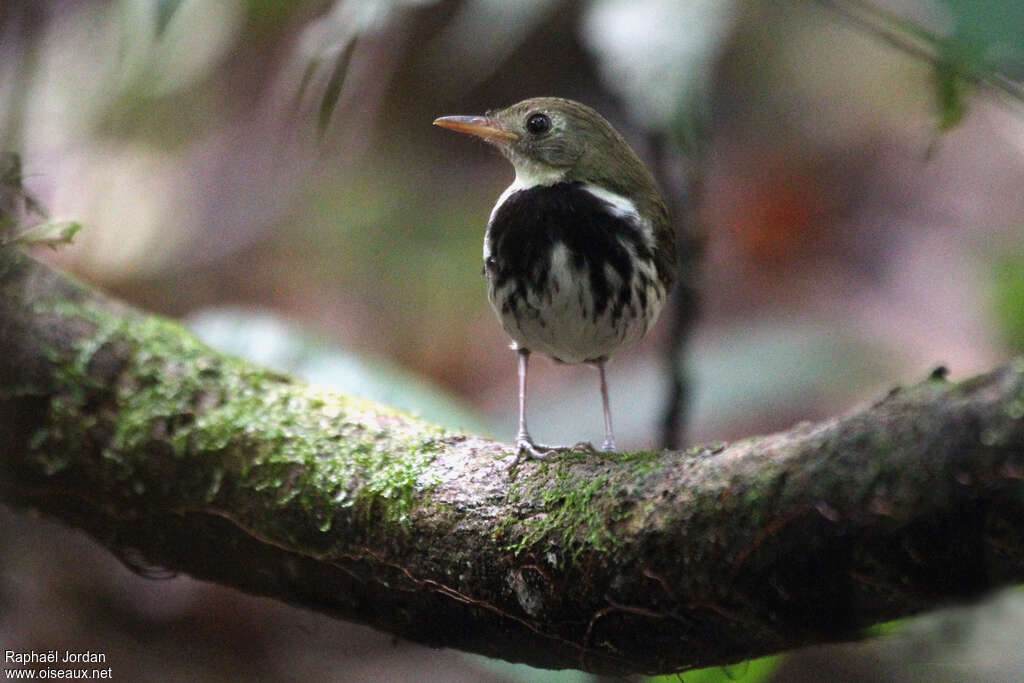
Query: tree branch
point(176, 457)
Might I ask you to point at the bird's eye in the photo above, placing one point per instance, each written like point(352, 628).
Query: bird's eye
point(538, 123)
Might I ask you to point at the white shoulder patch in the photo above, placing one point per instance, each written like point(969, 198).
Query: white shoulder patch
point(623, 207)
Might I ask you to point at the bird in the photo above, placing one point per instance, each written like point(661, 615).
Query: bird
point(579, 251)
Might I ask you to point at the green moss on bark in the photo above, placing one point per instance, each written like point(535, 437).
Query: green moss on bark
point(570, 512)
point(178, 397)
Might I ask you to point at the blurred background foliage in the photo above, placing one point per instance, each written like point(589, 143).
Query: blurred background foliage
point(266, 171)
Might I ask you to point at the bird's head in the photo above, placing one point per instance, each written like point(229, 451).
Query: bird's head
point(550, 140)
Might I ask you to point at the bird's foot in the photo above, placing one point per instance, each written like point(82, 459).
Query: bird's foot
point(534, 451)
point(526, 449)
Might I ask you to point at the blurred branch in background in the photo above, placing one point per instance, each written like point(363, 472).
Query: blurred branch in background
point(981, 45)
point(684, 303)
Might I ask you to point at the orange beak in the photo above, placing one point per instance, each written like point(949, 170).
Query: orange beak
point(480, 126)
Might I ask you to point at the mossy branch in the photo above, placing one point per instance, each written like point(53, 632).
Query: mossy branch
point(176, 457)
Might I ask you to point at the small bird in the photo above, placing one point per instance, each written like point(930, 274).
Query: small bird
point(579, 252)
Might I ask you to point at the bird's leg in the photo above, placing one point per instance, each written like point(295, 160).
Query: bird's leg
point(609, 433)
point(523, 435)
point(525, 448)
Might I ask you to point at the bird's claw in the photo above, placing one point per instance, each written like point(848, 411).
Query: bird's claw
point(526, 449)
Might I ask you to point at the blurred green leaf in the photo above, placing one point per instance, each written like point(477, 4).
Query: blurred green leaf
point(51, 235)
point(1008, 281)
point(885, 628)
point(950, 91)
point(750, 671)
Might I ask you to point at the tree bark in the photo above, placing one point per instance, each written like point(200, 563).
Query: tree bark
point(177, 458)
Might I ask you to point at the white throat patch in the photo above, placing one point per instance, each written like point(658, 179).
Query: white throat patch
point(529, 175)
